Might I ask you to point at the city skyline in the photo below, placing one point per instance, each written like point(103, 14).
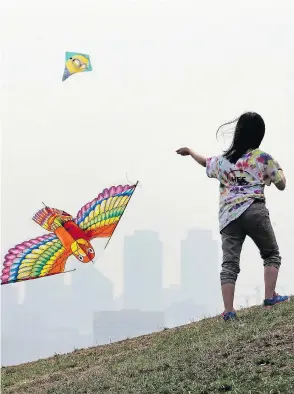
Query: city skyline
point(84, 310)
point(101, 267)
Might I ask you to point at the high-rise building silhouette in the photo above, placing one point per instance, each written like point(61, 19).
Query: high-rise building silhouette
point(47, 302)
point(54, 317)
point(91, 291)
point(182, 312)
point(172, 294)
point(26, 327)
point(143, 265)
point(200, 271)
point(9, 308)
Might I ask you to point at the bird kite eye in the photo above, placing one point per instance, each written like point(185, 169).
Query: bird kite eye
point(81, 258)
point(90, 250)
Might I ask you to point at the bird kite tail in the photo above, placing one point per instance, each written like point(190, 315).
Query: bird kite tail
point(50, 218)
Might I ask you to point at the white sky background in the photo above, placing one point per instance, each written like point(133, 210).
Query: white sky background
point(166, 74)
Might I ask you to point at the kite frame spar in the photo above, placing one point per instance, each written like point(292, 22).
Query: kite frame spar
point(66, 272)
point(38, 277)
point(135, 186)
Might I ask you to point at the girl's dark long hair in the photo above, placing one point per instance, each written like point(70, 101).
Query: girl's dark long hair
point(248, 134)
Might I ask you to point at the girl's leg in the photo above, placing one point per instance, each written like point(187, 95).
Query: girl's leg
point(270, 280)
point(259, 229)
point(228, 292)
point(232, 241)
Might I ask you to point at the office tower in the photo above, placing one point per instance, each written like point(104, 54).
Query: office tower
point(172, 294)
point(9, 308)
point(143, 264)
point(182, 312)
point(200, 270)
point(46, 302)
point(91, 291)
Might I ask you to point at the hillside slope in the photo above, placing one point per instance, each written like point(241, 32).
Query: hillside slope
point(254, 355)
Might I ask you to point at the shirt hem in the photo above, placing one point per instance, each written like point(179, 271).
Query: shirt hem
point(236, 217)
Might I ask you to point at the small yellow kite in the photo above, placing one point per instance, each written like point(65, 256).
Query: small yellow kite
point(76, 63)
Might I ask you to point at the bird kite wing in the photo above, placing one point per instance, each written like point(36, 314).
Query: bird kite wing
point(39, 257)
point(99, 218)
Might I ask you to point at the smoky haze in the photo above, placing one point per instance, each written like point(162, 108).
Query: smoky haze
point(165, 74)
point(55, 317)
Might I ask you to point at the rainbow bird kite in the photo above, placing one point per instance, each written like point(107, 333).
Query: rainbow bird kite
point(76, 63)
point(47, 255)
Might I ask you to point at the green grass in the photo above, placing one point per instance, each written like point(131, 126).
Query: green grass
point(252, 356)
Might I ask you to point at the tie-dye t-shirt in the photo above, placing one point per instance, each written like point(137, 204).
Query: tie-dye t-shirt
point(243, 182)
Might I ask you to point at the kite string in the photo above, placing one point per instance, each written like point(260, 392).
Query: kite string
point(132, 183)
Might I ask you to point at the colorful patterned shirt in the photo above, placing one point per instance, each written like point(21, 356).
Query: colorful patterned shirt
point(243, 182)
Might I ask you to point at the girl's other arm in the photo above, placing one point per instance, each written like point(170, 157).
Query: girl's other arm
point(274, 174)
point(189, 152)
point(281, 185)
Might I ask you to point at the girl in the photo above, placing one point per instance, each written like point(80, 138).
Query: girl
point(243, 170)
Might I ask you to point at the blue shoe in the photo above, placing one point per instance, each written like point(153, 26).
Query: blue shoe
point(276, 299)
point(229, 316)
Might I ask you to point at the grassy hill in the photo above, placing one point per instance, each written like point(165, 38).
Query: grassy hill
point(254, 355)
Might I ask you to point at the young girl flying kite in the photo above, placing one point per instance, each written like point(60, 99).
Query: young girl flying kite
point(243, 171)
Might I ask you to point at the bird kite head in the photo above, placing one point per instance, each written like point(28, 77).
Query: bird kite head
point(83, 250)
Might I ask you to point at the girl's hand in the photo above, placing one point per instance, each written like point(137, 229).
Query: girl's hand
point(189, 152)
point(267, 180)
point(184, 151)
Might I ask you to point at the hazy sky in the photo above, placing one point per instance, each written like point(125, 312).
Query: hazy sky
point(166, 74)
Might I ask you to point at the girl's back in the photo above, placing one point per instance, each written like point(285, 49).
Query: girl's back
point(242, 182)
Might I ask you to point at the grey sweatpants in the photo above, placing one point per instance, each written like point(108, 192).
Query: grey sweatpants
point(254, 222)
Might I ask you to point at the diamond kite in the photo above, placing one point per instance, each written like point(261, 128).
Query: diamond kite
point(76, 63)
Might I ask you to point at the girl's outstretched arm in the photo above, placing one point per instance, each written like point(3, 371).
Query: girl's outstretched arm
point(189, 152)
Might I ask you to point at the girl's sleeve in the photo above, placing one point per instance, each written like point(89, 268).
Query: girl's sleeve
point(272, 170)
point(212, 167)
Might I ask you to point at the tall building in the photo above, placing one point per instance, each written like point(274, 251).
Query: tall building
point(143, 265)
point(54, 317)
point(46, 302)
point(27, 327)
point(172, 294)
point(182, 312)
point(9, 308)
point(200, 270)
point(91, 291)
